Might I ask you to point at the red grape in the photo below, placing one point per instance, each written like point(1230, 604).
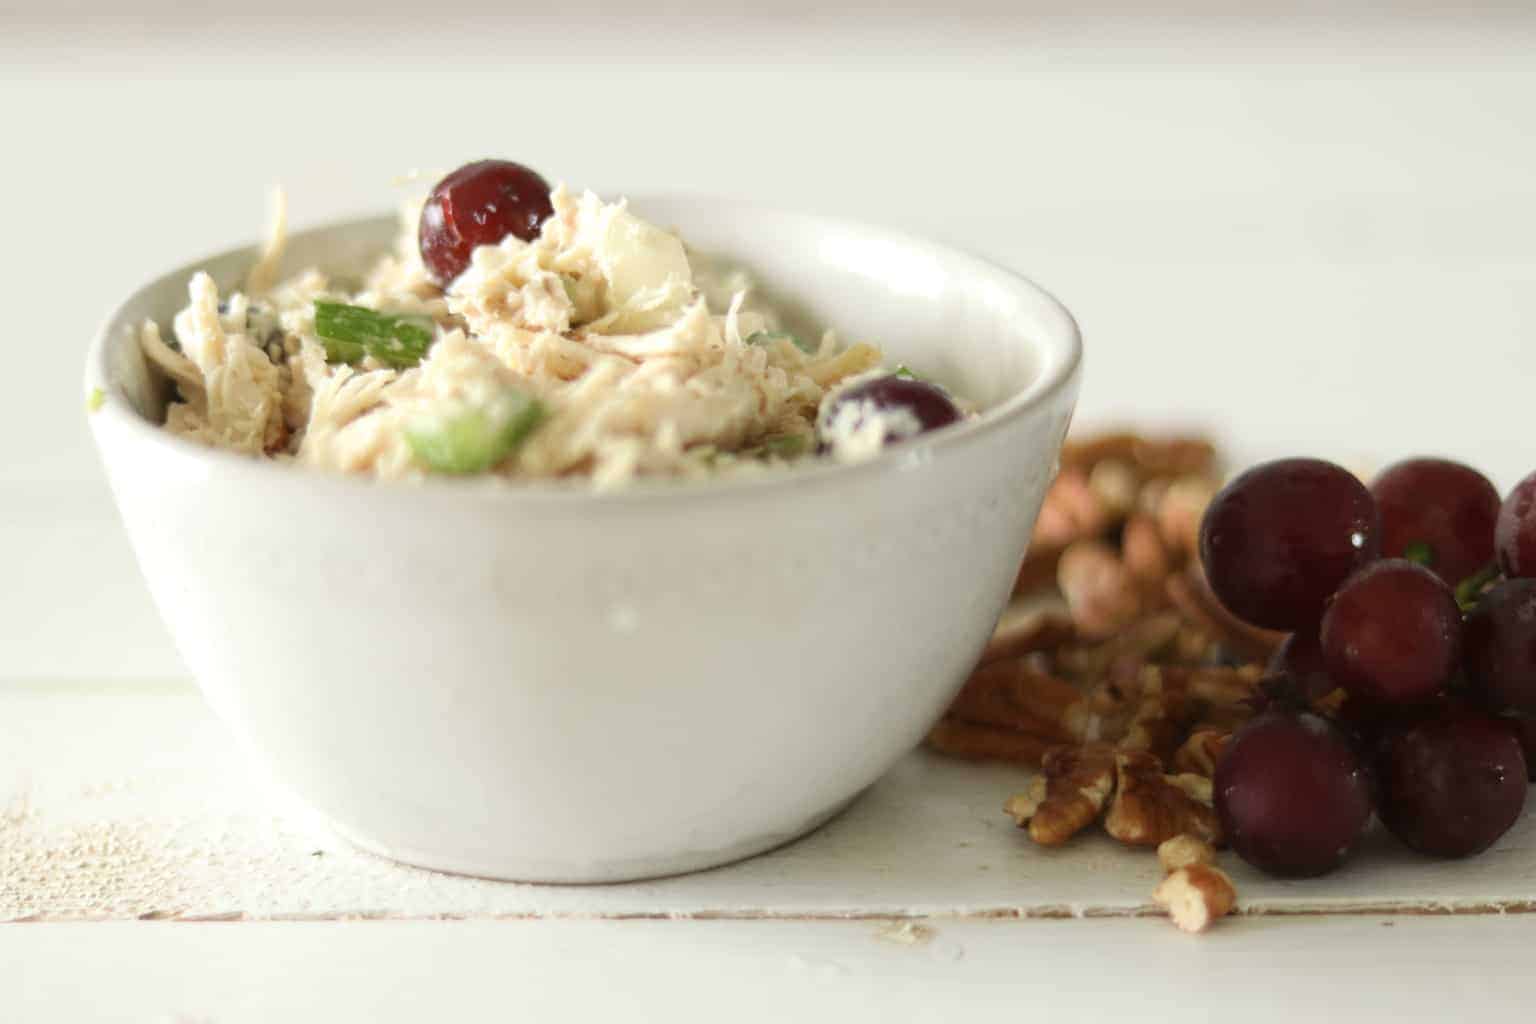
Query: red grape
point(1292, 795)
point(1279, 539)
point(1515, 532)
point(1451, 785)
point(1500, 641)
point(479, 204)
point(929, 405)
point(1392, 633)
point(1440, 509)
point(1300, 657)
point(1525, 731)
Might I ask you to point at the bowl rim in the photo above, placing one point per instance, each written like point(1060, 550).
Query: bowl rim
point(109, 411)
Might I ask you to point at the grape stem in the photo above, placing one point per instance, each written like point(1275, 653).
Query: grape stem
point(1471, 588)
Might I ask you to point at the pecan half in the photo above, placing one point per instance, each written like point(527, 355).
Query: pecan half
point(1067, 796)
point(1150, 807)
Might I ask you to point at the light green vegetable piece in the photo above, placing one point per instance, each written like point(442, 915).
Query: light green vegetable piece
point(473, 438)
point(351, 332)
point(768, 337)
point(95, 400)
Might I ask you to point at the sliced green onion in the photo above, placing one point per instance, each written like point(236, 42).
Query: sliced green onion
point(903, 370)
point(95, 400)
point(769, 337)
point(473, 438)
point(352, 332)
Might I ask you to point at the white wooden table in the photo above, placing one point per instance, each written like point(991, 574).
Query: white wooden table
point(1310, 236)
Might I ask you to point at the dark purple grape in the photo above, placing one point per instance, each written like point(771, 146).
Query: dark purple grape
point(1300, 657)
point(1292, 794)
point(1439, 513)
point(1515, 532)
point(1392, 633)
point(1500, 643)
point(1524, 728)
point(1452, 784)
point(479, 204)
point(918, 406)
point(1279, 539)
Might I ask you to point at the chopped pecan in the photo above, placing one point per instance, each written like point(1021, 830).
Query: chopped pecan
point(1099, 589)
point(1182, 851)
point(1196, 896)
point(1067, 796)
point(1150, 807)
point(976, 741)
point(1198, 754)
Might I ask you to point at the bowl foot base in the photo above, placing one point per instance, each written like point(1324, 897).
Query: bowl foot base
point(513, 869)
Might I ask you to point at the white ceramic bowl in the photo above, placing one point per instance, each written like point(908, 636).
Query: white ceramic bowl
point(540, 683)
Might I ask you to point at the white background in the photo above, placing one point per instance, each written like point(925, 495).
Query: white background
point(1313, 232)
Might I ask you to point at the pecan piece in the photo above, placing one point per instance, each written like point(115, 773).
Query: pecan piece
point(1019, 696)
point(1191, 595)
point(1198, 754)
point(1071, 510)
point(1026, 633)
point(1196, 896)
point(1159, 723)
point(1150, 807)
point(1179, 510)
point(1099, 589)
point(1067, 796)
point(977, 741)
point(1184, 851)
point(1146, 557)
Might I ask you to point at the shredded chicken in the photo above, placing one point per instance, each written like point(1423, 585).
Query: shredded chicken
point(602, 320)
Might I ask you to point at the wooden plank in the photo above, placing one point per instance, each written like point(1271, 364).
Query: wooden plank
point(1256, 971)
point(124, 806)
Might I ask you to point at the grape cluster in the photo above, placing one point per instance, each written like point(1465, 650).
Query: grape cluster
point(1407, 685)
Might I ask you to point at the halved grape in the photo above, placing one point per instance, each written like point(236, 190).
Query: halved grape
point(1452, 784)
point(894, 406)
point(1292, 794)
point(1439, 513)
point(1279, 539)
point(479, 204)
point(1392, 633)
point(1500, 642)
point(1515, 532)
